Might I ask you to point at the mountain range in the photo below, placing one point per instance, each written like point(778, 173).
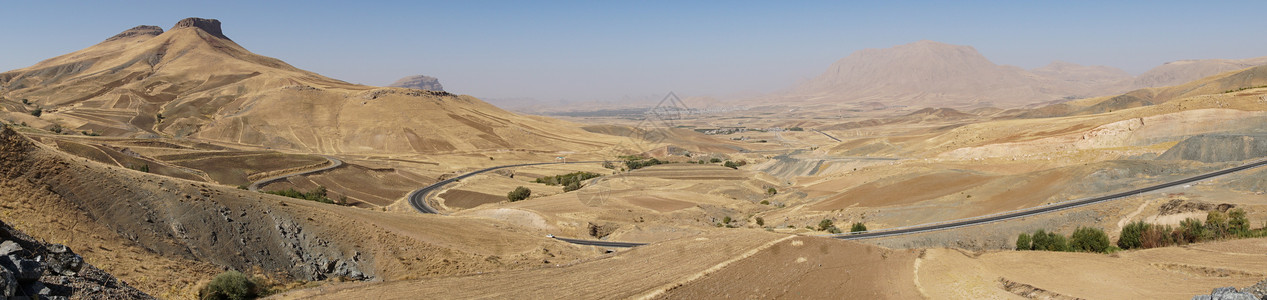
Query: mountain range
point(933, 74)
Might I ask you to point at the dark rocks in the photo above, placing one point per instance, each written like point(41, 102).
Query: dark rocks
point(62, 261)
point(1226, 293)
point(30, 269)
point(1213, 148)
point(211, 26)
point(1258, 289)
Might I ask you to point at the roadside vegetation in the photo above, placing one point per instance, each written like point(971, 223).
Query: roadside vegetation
point(1217, 226)
point(318, 195)
point(1244, 88)
point(1084, 239)
point(229, 285)
point(520, 193)
point(570, 181)
point(735, 165)
point(828, 226)
point(634, 162)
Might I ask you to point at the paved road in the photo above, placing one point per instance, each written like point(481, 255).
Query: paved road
point(418, 199)
point(828, 135)
point(1042, 209)
point(255, 186)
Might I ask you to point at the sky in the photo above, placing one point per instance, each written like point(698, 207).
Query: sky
point(609, 50)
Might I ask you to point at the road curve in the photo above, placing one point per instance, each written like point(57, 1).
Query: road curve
point(255, 186)
point(1040, 210)
point(418, 200)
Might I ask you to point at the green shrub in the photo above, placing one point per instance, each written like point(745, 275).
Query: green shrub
point(1193, 230)
point(318, 194)
point(1238, 223)
point(1216, 225)
point(518, 194)
point(1132, 234)
point(1023, 242)
point(734, 165)
point(760, 221)
point(1058, 243)
point(858, 227)
point(765, 202)
point(771, 192)
point(833, 230)
point(726, 220)
point(714, 160)
point(824, 224)
point(37, 112)
point(1039, 240)
point(230, 285)
point(1089, 239)
point(572, 187)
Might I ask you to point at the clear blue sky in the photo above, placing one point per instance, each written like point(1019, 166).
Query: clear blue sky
point(606, 49)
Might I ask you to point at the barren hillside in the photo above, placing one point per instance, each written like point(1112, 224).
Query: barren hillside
point(193, 81)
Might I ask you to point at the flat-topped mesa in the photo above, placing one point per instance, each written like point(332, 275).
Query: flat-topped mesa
point(211, 26)
point(149, 30)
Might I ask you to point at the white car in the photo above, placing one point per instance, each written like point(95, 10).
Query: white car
point(550, 235)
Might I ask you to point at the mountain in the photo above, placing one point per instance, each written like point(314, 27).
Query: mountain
point(1184, 71)
point(933, 74)
point(419, 82)
point(194, 81)
point(928, 73)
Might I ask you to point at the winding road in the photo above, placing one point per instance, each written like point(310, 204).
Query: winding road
point(255, 186)
point(418, 200)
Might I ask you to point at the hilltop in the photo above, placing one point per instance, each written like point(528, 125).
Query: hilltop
point(193, 81)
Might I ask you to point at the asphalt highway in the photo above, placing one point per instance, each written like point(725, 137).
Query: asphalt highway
point(1042, 209)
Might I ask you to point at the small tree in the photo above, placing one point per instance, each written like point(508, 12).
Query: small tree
point(771, 191)
point(1216, 224)
point(519, 193)
point(1089, 239)
point(858, 227)
point(1040, 240)
point(37, 112)
point(760, 221)
point(1023, 242)
point(1193, 231)
point(230, 285)
point(731, 164)
point(1132, 234)
point(1238, 223)
point(572, 186)
point(714, 160)
point(824, 224)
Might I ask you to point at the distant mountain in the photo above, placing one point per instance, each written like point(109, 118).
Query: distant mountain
point(1184, 71)
point(933, 74)
point(420, 82)
point(193, 81)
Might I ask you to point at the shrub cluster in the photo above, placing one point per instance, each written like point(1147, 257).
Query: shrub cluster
point(519, 193)
point(826, 225)
point(1217, 225)
point(318, 195)
point(858, 227)
point(634, 162)
point(734, 165)
point(570, 181)
point(1084, 239)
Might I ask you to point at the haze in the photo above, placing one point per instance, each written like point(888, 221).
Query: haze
point(606, 51)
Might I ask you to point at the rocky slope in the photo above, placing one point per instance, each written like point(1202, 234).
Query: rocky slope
point(193, 81)
point(165, 235)
point(1212, 148)
point(419, 82)
point(32, 268)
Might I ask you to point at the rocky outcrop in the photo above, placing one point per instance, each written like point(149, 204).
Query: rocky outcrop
point(211, 26)
point(32, 269)
point(421, 82)
point(1226, 293)
point(143, 30)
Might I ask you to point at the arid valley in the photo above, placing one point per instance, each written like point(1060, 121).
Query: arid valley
point(174, 163)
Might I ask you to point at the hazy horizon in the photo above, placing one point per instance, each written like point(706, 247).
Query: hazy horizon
point(580, 51)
